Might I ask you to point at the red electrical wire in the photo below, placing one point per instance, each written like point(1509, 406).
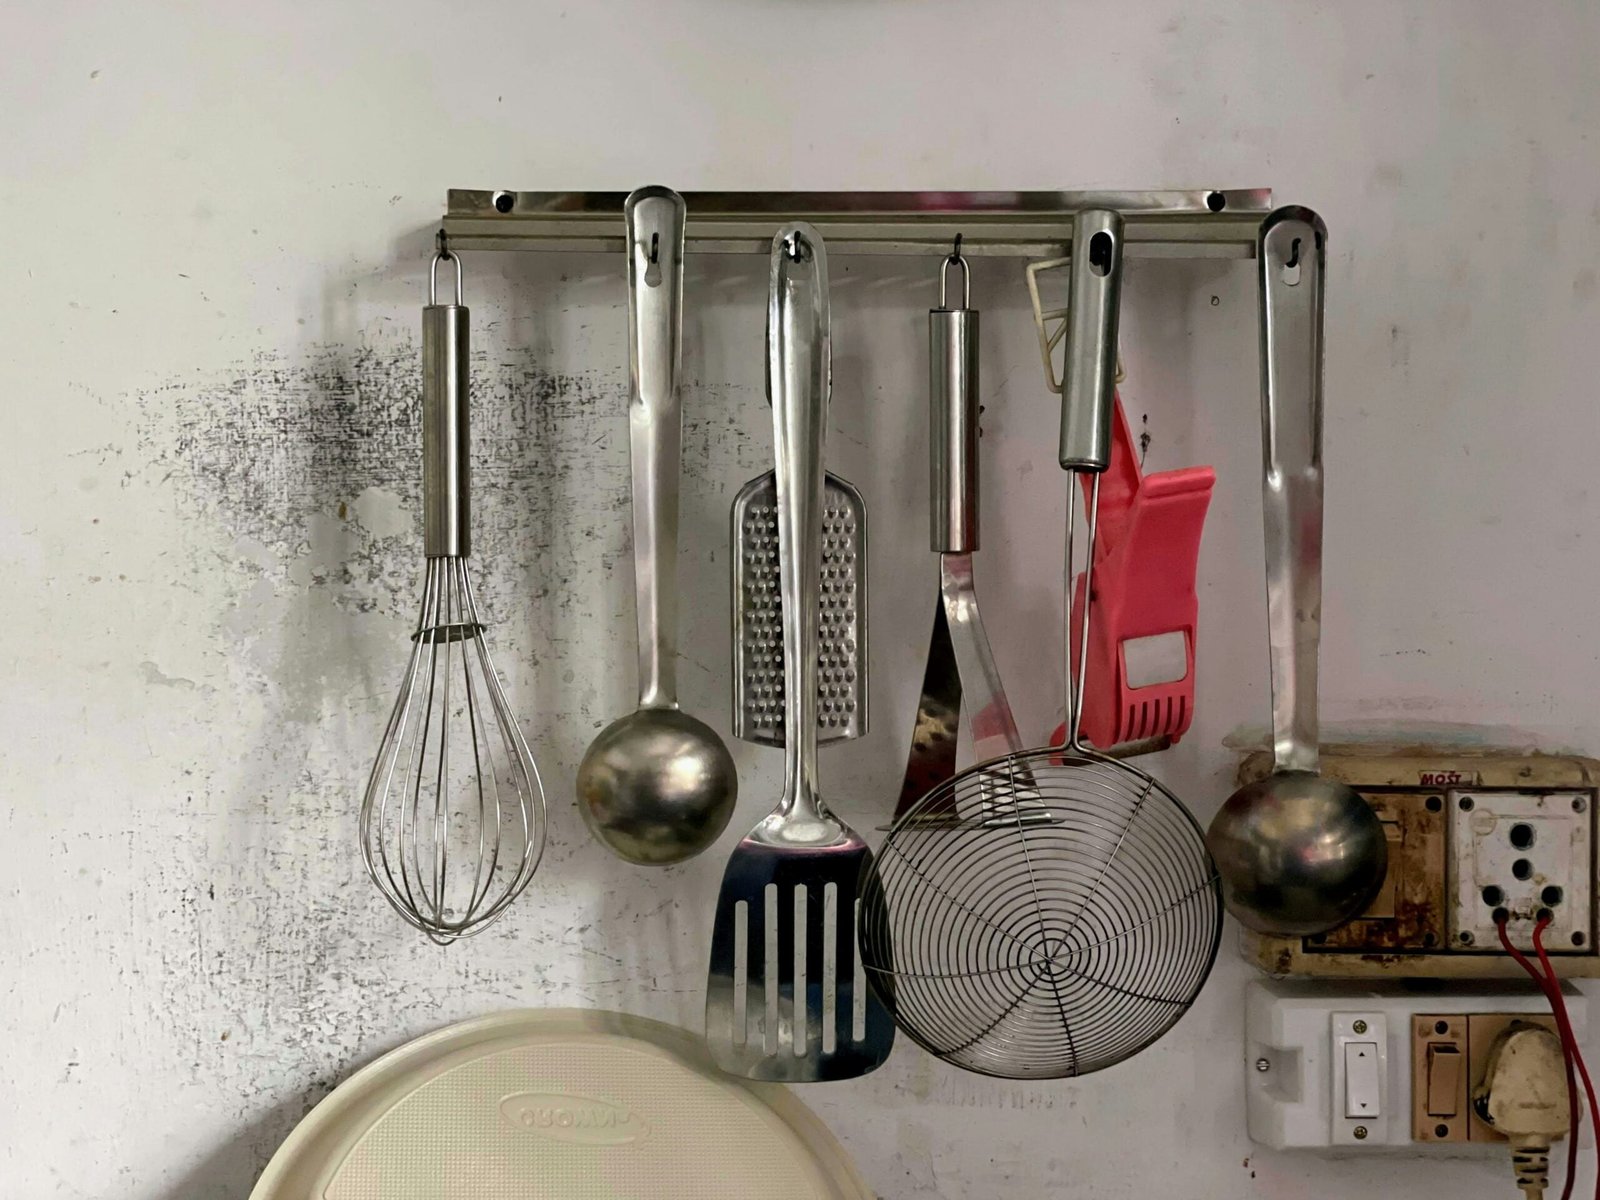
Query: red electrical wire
point(1551, 987)
point(1568, 1037)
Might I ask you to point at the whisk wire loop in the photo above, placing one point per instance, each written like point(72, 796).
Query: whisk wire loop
point(453, 820)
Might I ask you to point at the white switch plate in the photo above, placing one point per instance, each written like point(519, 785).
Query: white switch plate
point(1543, 837)
point(1294, 1067)
point(1368, 1032)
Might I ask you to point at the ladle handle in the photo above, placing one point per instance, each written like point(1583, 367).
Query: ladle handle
point(655, 220)
point(799, 378)
point(1291, 254)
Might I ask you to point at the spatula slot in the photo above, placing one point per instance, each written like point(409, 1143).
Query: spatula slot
point(772, 980)
point(799, 988)
point(830, 967)
point(741, 972)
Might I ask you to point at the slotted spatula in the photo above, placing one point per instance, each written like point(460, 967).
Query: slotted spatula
point(786, 998)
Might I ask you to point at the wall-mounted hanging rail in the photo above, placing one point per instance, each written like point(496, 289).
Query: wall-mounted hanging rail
point(1202, 223)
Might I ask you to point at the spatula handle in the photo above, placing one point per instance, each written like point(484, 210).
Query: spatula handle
point(799, 377)
point(953, 417)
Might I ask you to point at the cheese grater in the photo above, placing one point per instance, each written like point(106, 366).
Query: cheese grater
point(758, 615)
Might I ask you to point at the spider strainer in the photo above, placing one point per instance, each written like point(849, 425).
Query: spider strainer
point(1053, 912)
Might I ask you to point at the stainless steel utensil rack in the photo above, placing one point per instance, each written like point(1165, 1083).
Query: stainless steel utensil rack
point(1199, 223)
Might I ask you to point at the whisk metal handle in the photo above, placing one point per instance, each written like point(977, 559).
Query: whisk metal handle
point(446, 463)
point(655, 222)
point(1291, 257)
point(799, 376)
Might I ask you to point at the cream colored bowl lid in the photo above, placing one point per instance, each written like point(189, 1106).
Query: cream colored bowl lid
point(559, 1104)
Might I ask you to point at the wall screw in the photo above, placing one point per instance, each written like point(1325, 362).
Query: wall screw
point(1465, 804)
point(1359, 1027)
point(1361, 1133)
point(1263, 1065)
point(1466, 937)
point(1578, 805)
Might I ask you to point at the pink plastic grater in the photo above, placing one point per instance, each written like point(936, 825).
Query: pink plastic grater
point(1141, 673)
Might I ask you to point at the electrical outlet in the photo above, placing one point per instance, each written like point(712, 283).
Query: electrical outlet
point(1379, 1067)
point(1524, 854)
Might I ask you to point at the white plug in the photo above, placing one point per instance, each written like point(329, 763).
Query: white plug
point(1524, 1096)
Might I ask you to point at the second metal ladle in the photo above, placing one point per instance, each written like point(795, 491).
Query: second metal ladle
point(1298, 854)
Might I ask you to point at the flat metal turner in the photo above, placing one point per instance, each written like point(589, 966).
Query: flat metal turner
point(786, 995)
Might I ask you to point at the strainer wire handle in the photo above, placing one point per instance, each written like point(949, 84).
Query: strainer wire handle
point(1087, 396)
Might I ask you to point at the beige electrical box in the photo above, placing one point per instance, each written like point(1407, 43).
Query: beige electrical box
point(1473, 835)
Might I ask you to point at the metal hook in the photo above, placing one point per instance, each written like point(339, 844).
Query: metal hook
point(795, 247)
point(444, 255)
point(955, 259)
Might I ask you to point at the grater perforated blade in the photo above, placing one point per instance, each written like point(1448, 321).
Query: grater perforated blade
point(758, 615)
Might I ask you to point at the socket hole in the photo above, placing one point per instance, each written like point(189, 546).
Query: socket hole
point(1430, 939)
point(1522, 836)
point(1465, 937)
point(1544, 914)
point(1216, 201)
point(504, 202)
point(1501, 916)
point(1464, 804)
point(1441, 1026)
point(1492, 896)
point(1577, 939)
point(1441, 1131)
point(1522, 868)
point(1551, 895)
point(1435, 804)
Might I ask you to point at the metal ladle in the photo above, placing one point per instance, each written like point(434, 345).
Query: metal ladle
point(657, 786)
point(1298, 854)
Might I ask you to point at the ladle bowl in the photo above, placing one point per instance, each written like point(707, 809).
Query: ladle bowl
point(1298, 853)
point(657, 786)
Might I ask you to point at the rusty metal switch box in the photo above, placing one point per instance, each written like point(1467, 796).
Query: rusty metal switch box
point(1472, 834)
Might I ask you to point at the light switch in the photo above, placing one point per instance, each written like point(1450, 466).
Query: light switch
point(1444, 1080)
point(1361, 1080)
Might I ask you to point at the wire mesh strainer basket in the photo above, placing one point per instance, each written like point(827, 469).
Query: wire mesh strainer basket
point(1060, 921)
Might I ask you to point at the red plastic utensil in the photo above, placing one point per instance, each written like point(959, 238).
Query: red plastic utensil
point(1141, 670)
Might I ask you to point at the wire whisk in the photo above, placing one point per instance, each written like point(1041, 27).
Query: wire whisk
point(453, 819)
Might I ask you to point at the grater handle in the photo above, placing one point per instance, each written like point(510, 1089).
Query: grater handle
point(655, 221)
point(1292, 255)
point(799, 376)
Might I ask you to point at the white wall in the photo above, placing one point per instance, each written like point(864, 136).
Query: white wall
point(216, 221)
